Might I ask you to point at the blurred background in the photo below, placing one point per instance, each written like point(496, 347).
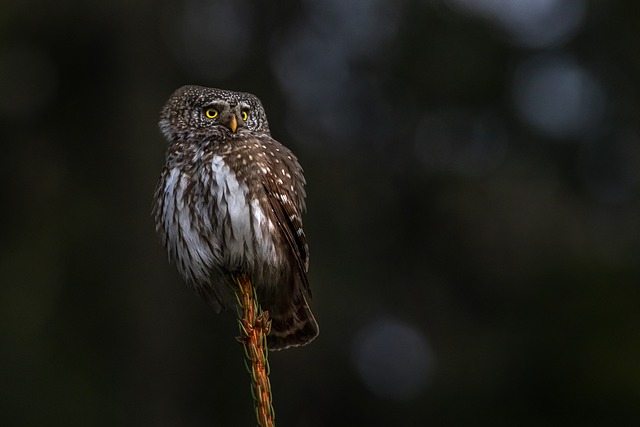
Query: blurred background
point(473, 173)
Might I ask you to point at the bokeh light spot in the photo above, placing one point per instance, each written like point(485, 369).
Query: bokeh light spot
point(558, 97)
point(393, 359)
point(316, 64)
point(532, 24)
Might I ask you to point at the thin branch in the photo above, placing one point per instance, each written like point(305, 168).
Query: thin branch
point(254, 326)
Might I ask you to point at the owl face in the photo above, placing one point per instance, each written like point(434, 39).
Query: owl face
point(196, 111)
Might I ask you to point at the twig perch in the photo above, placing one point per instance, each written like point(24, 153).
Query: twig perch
point(254, 326)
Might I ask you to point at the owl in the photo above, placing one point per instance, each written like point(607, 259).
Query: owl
point(229, 201)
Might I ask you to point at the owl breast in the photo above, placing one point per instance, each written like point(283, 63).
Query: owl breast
point(228, 229)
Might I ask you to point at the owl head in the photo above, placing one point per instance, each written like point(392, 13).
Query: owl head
point(197, 111)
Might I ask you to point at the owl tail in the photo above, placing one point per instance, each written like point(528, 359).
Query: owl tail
point(293, 328)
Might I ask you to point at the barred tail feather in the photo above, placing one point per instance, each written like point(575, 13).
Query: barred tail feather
point(293, 328)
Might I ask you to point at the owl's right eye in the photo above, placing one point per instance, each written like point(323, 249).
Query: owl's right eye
point(211, 113)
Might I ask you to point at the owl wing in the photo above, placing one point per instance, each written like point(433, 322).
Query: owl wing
point(288, 213)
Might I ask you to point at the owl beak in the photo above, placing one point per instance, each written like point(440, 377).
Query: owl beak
point(234, 123)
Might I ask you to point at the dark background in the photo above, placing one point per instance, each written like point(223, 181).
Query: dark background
point(473, 174)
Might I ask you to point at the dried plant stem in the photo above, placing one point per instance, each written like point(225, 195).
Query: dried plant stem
point(254, 327)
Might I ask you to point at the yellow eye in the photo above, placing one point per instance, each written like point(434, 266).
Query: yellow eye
point(245, 116)
point(211, 113)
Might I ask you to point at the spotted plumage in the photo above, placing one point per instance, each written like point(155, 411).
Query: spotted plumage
point(230, 200)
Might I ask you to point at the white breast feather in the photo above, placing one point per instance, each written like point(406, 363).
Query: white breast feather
point(241, 221)
point(195, 257)
point(248, 221)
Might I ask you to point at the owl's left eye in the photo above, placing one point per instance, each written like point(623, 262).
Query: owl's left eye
point(211, 113)
point(245, 115)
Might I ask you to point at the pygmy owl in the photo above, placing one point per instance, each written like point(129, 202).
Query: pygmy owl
point(229, 201)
